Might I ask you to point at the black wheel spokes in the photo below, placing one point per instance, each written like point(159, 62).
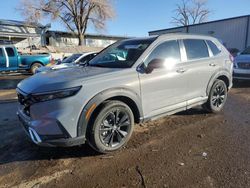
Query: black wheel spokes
point(218, 96)
point(114, 128)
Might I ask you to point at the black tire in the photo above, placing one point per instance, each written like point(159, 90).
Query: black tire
point(107, 136)
point(217, 97)
point(34, 67)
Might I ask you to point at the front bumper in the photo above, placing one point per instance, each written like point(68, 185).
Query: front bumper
point(57, 137)
point(241, 74)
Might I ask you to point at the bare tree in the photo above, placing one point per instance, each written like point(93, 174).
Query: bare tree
point(190, 12)
point(75, 14)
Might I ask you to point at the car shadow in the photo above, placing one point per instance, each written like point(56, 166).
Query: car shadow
point(27, 151)
point(10, 81)
point(193, 111)
point(241, 84)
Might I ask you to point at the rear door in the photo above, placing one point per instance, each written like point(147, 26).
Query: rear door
point(12, 61)
point(201, 68)
point(2, 60)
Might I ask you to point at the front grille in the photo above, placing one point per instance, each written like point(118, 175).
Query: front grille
point(242, 65)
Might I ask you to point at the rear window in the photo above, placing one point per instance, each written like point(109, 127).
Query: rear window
point(196, 49)
point(213, 47)
point(246, 51)
point(1, 52)
point(10, 52)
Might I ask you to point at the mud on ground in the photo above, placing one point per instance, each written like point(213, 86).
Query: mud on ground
point(189, 149)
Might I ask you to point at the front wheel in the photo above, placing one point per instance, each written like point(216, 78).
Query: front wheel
point(217, 97)
point(112, 127)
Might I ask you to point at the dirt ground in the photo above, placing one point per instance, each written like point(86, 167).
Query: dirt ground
point(189, 149)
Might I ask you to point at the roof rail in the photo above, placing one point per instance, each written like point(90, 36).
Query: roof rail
point(6, 42)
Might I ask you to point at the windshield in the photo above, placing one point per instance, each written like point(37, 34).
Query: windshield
point(122, 54)
point(246, 51)
point(72, 58)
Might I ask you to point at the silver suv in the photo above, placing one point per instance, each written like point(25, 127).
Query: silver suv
point(131, 81)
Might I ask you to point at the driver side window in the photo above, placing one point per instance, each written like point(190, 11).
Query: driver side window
point(168, 51)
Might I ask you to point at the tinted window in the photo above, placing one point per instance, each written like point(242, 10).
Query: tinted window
point(246, 51)
point(72, 58)
point(87, 58)
point(168, 51)
point(195, 49)
point(213, 47)
point(1, 52)
point(10, 52)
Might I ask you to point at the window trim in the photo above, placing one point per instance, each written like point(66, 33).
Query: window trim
point(212, 54)
point(196, 59)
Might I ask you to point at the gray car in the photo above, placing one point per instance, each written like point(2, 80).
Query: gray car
point(242, 65)
point(131, 81)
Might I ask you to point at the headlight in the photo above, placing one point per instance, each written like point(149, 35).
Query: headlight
point(46, 96)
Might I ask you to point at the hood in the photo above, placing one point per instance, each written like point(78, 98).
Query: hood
point(61, 79)
point(242, 58)
point(63, 65)
point(55, 67)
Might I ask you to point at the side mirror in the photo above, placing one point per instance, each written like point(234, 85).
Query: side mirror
point(238, 53)
point(154, 64)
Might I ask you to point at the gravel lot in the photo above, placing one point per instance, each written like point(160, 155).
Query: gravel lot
point(189, 149)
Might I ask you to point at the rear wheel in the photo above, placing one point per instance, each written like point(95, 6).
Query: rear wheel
point(217, 97)
point(112, 127)
point(34, 67)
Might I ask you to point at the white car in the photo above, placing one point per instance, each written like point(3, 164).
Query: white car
point(75, 59)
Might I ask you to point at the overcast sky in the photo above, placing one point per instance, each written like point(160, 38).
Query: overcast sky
point(137, 17)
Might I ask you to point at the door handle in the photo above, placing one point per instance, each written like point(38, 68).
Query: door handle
point(212, 64)
point(181, 71)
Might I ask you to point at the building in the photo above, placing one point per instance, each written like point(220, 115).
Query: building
point(64, 39)
point(25, 35)
point(233, 32)
point(21, 33)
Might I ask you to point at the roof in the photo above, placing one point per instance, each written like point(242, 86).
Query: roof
point(87, 35)
point(184, 35)
point(226, 19)
point(19, 23)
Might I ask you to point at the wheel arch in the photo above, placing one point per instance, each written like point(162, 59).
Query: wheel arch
point(36, 62)
point(92, 108)
point(221, 75)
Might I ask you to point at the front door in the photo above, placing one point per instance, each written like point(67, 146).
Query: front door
point(164, 89)
point(2, 60)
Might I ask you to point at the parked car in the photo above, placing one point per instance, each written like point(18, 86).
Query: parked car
point(241, 69)
point(131, 81)
point(10, 60)
point(70, 61)
point(233, 51)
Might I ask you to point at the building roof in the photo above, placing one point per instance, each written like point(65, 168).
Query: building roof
point(19, 23)
point(65, 33)
point(226, 19)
